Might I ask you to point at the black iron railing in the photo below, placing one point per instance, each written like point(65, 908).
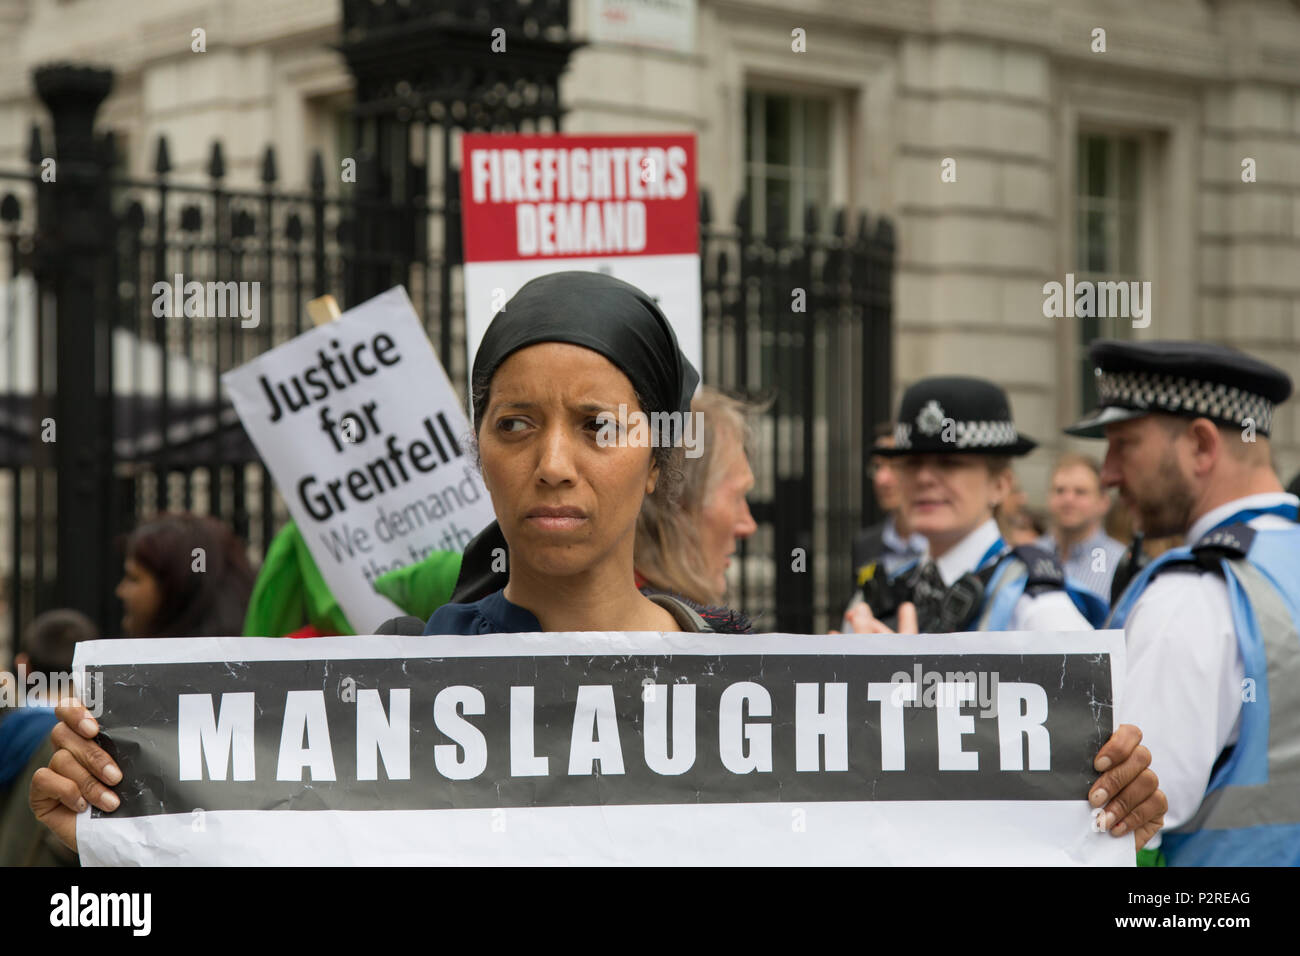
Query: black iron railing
point(143, 427)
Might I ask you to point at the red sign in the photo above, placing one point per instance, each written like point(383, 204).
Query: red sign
point(583, 197)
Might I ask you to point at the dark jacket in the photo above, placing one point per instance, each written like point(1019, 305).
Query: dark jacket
point(868, 545)
point(495, 615)
point(24, 840)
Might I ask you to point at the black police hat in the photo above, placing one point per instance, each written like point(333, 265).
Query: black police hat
point(954, 414)
point(1191, 379)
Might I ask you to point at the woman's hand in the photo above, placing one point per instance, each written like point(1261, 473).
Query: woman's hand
point(79, 771)
point(862, 621)
point(1128, 788)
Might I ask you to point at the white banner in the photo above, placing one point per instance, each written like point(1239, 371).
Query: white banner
point(672, 281)
point(596, 748)
point(365, 438)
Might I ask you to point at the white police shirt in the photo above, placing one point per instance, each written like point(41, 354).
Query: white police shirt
point(1048, 611)
point(1185, 673)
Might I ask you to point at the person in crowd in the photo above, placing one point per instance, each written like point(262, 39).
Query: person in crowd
point(889, 544)
point(1212, 627)
point(291, 599)
point(1078, 505)
point(566, 472)
point(46, 652)
point(185, 575)
point(685, 548)
point(566, 505)
point(954, 445)
point(1024, 526)
point(42, 666)
point(1012, 512)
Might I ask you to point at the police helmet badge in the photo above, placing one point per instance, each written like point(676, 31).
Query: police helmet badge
point(930, 419)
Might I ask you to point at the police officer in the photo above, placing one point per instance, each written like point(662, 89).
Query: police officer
point(953, 445)
point(1213, 628)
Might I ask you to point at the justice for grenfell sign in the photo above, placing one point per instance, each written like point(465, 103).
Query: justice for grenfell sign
point(365, 438)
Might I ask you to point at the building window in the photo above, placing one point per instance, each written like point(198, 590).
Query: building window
point(787, 156)
point(1106, 223)
point(330, 129)
point(343, 142)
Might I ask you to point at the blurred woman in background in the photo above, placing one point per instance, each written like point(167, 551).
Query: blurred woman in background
point(185, 575)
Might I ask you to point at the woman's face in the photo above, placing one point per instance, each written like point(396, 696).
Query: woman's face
point(141, 597)
point(946, 497)
point(725, 517)
point(566, 505)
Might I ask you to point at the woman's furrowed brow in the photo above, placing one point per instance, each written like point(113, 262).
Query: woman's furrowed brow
point(497, 406)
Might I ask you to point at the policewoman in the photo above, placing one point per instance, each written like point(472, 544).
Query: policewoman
point(954, 444)
point(1213, 627)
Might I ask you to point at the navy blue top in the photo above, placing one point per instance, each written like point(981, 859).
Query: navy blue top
point(21, 733)
point(491, 615)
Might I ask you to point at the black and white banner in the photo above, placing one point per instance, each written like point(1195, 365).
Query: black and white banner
point(589, 748)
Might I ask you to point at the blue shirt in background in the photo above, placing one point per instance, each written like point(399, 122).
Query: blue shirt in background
point(1080, 561)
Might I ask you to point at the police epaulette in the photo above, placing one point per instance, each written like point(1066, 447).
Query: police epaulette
point(1232, 541)
point(1045, 572)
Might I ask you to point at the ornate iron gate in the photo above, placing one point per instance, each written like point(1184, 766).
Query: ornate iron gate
point(140, 423)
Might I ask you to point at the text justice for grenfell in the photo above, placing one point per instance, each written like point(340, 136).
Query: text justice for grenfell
point(335, 372)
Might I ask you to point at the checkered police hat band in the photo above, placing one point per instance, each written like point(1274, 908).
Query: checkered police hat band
point(992, 435)
point(1173, 393)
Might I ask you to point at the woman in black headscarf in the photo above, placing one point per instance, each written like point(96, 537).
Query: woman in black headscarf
point(560, 370)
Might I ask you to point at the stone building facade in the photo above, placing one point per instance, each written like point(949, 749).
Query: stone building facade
point(1119, 159)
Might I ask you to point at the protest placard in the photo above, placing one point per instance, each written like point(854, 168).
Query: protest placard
point(590, 748)
point(623, 205)
point(365, 438)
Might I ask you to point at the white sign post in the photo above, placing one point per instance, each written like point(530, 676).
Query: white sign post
point(361, 429)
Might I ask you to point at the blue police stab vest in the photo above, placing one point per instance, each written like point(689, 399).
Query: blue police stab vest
point(1029, 567)
point(1013, 571)
point(1250, 815)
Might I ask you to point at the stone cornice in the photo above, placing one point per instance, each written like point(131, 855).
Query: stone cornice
point(163, 32)
point(1177, 38)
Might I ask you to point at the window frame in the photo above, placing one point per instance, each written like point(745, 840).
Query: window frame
point(1113, 207)
point(839, 112)
point(1168, 126)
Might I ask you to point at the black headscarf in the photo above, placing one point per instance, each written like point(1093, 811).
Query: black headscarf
point(598, 312)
